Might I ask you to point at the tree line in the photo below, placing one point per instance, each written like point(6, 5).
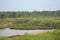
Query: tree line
point(25, 14)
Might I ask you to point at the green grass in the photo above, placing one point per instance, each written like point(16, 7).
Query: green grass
point(33, 23)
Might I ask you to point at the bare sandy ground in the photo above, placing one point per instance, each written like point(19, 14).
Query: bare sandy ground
point(5, 25)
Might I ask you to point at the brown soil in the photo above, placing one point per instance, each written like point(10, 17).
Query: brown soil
point(41, 32)
point(4, 25)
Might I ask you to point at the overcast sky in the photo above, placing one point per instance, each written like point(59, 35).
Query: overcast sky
point(29, 5)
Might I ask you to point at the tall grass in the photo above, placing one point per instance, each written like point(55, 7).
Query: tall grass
point(33, 23)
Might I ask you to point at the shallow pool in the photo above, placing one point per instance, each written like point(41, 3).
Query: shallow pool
point(12, 32)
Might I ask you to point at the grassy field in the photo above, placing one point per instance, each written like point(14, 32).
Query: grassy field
point(25, 20)
point(33, 23)
point(47, 36)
